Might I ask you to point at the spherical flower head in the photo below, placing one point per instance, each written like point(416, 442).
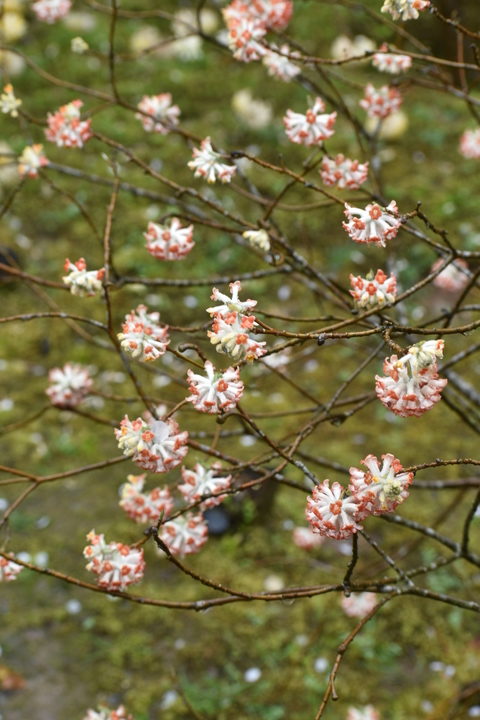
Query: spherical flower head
point(9, 104)
point(50, 11)
point(279, 66)
point(366, 713)
point(116, 565)
point(157, 113)
point(306, 539)
point(157, 445)
point(330, 513)
point(381, 102)
point(258, 239)
point(311, 128)
point(343, 172)
point(66, 129)
point(217, 392)
point(358, 604)
point(454, 278)
point(374, 224)
point(391, 62)
point(245, 37)
point(207, 164)
point(404, 10)
point(142, 336)
point(373, 290)
point(201, 482)
point(145, 507)
point(170, 241)
point(470, 144)
point(9, 570)
point(230, 335)
point(31, 160)
point(83, 282)
point(185, 535)
point(104, 713)
point(382, 488)
point(68, 385)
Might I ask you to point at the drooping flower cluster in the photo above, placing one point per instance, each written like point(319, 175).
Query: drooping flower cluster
point(231, 326)
point(142, 336)
point(312, 128)
point(248, 22)
point(116, 565)
point(305, 538)
point(66, 129)
point(50, 11)
point(358, 604)
point(185, 535)
point(382, 488)
point(144, 507)
point(104, 713)
point(245, 35)
point(405, 9)
point(258, 239)
point(218, 392)
point(331, 513)
point(83, 282)
point(391, 62)
point(373, 224)
point(31, 160)
point(454, 277)
point(411, 384)
point(279, 66)
point(470, 144)
point(207, 164)
point(170, 241)
point(156, 445)
point(201, 482)
point(157, 113)
point(373, 290)
point(381, 102)
point(9, 104)
point(68, 385)
point(9, 570)
point(366, 713)
point(343, 172)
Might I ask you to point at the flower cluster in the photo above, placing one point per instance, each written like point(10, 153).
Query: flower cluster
point(116, 565)
point(142, 336)
point(411, 384)
point(331, 513)
point(279, 66)
point(245, 35)
point(9, 570)
point(218, 392)
point(470, 144)
point(185, 535)
point(68, 385)
point(104, 713)
point(8, 102)
point(454, 277)
point(258, 239)
point(50, 11)
point(207, 164)
point(373, 224)
point(202, 482)
point(156, 445)
point(141, 506)
point(66, 129)
point(231, 326)
point(405, 9)
point(31, 160)
point(380, 102)
point(170, 241)
point(373, 290)
point(311, 128)
point(83, 282)
point(358, 604)
point(343, 172)
point(248, 22)
point(391, 62)
point(157, 114)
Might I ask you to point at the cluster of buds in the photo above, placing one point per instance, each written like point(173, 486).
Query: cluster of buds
point(144, 507)
point(373, 290)
point(185, 535)
point(50, 11)
point(204, 484)
point(207, 164)
point(391, 62)
point(66, 129)
point(248, 22)
point(142, 336)
point(231, 326)
point(312, 128)
point(116, 565)
point(280, 66)
point(31, 160)
point(104, 713)
point(373, 224)
point(258, 239)
point(9, 104)
point(9, 570)
point(83, 282)
point(358, 604)
point(405, 9)
point(156, 446)
point(68, 385)
point(333, 513)
point(218, 392)
point(380, 102)
point(157, 114)
point(411, 384)
point(170, 241)
point(454, 277)
point(343, 172)
point(470, 144)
